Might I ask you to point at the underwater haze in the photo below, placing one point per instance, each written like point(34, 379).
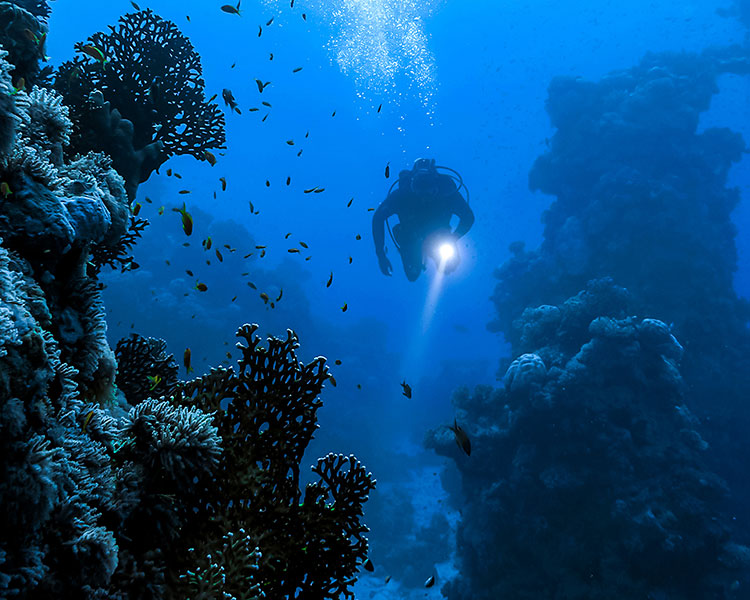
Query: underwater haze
point(558, 412)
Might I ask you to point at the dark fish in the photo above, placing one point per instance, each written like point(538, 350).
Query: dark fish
point(134, 5)
point(290, 142)
point(189, 272)
point(357, 237)
point(293, 250)
point(232, 10)
point(137, 208)
point(264, 118)
point(333, 380)
point(270, 56)
point(264, 297)
point(319, 190)
point(268, 23)
point(184, 192)
point(268, 104)
point(387, 170)
point(330, 280)
point(209, 156)
point(291, 4)
point(350, 260)
point(201, 287)
point(252, 207)
point(308, 190)
point(186, 358)
point(299, 153)
point(333, 114)
point(218, 255)
point(303, 244)
point(345, 307)
point(229, 100)
point(379, 107)
point(337, 362)
point(407, 389)
point(261, 85)
point(297, 70)
point(268, 183)
point(187, 219)
point(387, 579)
point(430, 582)
point(281, 293)
point(234, 298)
point(369, 566)
point(177, 175)
point(288, 180)
point(461, 438)
point(304, 17)
point(260, 30)
point(223, 184)
point(207, 243)
point(93, 52)
point(348, 204)
point(251, 285)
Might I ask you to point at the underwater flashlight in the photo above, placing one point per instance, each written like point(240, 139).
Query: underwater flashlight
point(447, 251)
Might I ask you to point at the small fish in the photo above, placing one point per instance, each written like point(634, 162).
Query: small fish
point(252, 206)
point(293, 250)
point(223, 184)
point(286, 237)
point(148, 200)
point(387, 579)
point(155, 380)
point(184, 192)
point(345, 307)
point(308, 190)
point(288, 180)
point(370, 209)
point(253, 109)
point(303, 245)
point(169, 172)
point(350, 260)
point(358, 237)
point(262, 253)
point(290, 142)
point(304, 16)
point(359, 386)
point(298, 153)
point(268, 183)
point(93, 52)
point(136, 208)
point(307, 134)
point(87, 420)
point(407, 389)
point(264, 297)
point(212, 98)
point(387, 170)
point(187, 219)
point(348, 204)
point(308, 257)
point(281, 293)
point(261, 86)
point(268, 23)
point(19, 86)
point(188, 18)
point(207, 243)
point(337, 362)
point(134, 5)
point(461, 438)
point(297, 70)
point(259, 247)
point(228, 247)
point(201, 287)
point(270, 56)
point(260, 31)
point(189, 272)
point(234, 298)
point(5, 190)
point(291, 4)
point(229, 100)
point(218, 255)
point(319, 190)
point(186, 358)
point(251, 285)
point(330, 280)
point(209, 156)
point(379, 107)
point(333, 380)
point(268, 104)
point(430, 582)
point(368, 565)
point(232, 10)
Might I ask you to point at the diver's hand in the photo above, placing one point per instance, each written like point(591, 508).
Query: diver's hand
point(385, 265)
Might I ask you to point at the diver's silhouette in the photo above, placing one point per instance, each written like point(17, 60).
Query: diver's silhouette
point(424, 201)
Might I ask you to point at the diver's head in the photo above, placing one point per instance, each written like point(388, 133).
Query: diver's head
point(423, 174)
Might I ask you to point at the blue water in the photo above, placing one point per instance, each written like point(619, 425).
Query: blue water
point(463, 81)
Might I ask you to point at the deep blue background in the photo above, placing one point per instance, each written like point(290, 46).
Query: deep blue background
point(474, 99)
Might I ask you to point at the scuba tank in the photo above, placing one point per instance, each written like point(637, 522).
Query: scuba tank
point(426, 167)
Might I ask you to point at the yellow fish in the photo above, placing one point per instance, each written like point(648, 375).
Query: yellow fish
point(187, 219)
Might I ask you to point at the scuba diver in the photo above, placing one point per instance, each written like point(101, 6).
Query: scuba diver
point(424, 201)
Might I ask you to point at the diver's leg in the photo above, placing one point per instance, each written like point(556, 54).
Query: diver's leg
point(411, 256)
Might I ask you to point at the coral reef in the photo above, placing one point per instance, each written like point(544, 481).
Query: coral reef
point(310, 544)
point(144, 102)
point(118, 481)
point(640, 195)
point(590, 482)
point(23, 31)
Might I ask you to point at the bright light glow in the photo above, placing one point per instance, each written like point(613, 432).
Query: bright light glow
point(447, 251)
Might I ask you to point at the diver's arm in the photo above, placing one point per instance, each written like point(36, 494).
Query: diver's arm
point(465, 215)
point(384, 211)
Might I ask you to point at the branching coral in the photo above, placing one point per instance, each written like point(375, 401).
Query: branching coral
point(25, 49)
point(150, 97)
point(145, 370)
point(266, 415)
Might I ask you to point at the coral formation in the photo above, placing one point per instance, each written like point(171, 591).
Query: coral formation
point(310, 543)
point(640, 195)
point(145, 101)
point(22, 35)
point(145, 488)
point(592, 482)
